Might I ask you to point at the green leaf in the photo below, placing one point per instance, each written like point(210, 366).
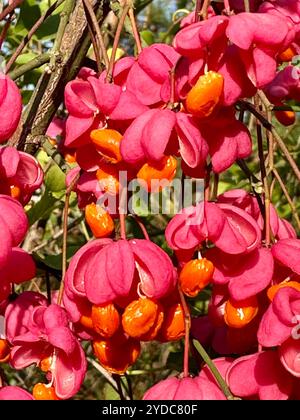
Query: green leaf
point(29, 14)
point(55, 180)
point(148, 37)
point(42, 208)
point(110, 393)
point(55, 261)
point(48, 31)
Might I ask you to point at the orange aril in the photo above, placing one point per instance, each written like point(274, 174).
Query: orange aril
point(107, 143)
point(86, 318)
point(44, 392)
point(4, 351)
point(154, 330)
point(108, 175)
point(45, 364)
point(271, 292)
point(287, 117)
point(172, 328)
point(99, 220)
point(287, 55)
point(240, 313)
point(117, 353)
point(142, 319)
point(165, 169)
point(70, 157)
point(105, 319)
point(15, 191)
point(205, 95)
point(195, 276)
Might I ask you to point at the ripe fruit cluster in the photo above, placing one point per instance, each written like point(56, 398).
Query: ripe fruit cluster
point(170, 108)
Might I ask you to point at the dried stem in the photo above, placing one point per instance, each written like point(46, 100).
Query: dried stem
point(253, 180)
point(247, 6)
point(204, 10)
point(117, 379)
point(212, 367)
point(93, 39)
point(65, 236)
point(172, 83)
point(48, 287)
point(30, 34)
point(109, 76)
point(99, 37)
point(287, 195)
point(251, 108)
point(214, 193)
point(264, 179)
point(103, 372)
point(187, 326)
point(135, 31)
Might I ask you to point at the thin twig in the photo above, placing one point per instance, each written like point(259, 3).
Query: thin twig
point(93, 39)
point(253, 180)
point(204, 10)
point(267, 227)
point(99, 36)
point(247, 6)
point(36, 62)
point(4, 30)
point(48, 287)
point(130, 390)
point(187, 326)
point(198, 10)
point(10, 8)
point(276, 135)
point(109, 76)
point(103, 372)
point(57, 235)
point(117, 379)
point(32, 31)
point(65, 236)
point(135, 30)
point(287, 195)
point(142, 226)
point(214, 193)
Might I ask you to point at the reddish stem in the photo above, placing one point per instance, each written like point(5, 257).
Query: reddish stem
point(10, 8)
point(204, 10)
point(198, 10)
point(135, 31)
point(4, 32)
point(109, 76)
point(100, 45)
point(187, 326)
point(142, 227)
point(32, 31)
point(227, 5)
